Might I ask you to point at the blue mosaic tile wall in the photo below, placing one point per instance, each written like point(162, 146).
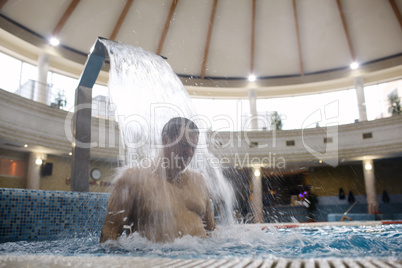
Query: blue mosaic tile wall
point(35, 214)
point(44, 215)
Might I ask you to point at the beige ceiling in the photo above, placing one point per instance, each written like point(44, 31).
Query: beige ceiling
point(292, 46)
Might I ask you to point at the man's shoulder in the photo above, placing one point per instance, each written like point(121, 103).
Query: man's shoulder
point(129, 175)
point(137, 170)
point(193, 173)
point(132, 170)
point(195, 177)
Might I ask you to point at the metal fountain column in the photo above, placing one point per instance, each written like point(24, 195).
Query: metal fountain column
point(82, 119)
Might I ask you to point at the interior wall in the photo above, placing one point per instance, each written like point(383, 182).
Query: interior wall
point(326, 181)
point(61, 171)
point(59, 180)
point(13, 182)
point(388, 175)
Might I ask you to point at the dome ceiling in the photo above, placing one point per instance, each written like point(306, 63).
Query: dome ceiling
point(219, 43)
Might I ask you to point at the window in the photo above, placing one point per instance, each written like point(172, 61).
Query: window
point(338, 107)
point(290, 143)
point(10, 69)
point(29, 74)
point(253, 144)
point(12, 167)
point(65, 86)
point(221, 114)
point(367, 135)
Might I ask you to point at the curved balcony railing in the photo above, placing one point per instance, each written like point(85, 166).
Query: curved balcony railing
point(24, 121)
point(331, 145)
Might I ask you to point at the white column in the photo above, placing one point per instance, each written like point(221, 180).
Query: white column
point(361, 102)
point(252, 96)
point(33, 171)
point(256, 204)
point(42, 93)
point(369, 180)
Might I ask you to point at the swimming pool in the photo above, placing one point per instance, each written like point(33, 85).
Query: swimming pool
point(236, 241)
point(48, 229)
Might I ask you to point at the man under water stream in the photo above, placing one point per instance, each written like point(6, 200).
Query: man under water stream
point(166, 200)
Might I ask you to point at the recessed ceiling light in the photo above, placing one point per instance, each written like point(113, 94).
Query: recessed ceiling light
point(354, 65)
point(251, 78)
point(54, 41)
point(368, 167)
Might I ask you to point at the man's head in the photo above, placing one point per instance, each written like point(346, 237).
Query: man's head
point(179, 138)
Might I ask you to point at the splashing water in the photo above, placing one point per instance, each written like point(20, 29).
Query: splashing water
point(146, 94)
point(235, 241)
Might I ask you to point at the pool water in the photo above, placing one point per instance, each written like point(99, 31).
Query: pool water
point(249, 241)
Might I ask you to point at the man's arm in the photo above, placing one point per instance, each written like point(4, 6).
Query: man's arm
point(119, 208)
point(209, 220)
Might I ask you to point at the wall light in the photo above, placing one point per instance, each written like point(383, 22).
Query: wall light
point(354, 65)
point(25, 145)
point(54, 41)
point(368, 167)
point(252, 78)
point(38, 161)
point(257, 173)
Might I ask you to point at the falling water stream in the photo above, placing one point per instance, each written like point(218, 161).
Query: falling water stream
point(147, 93)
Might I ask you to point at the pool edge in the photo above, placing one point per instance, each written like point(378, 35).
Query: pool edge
point(127, 261)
